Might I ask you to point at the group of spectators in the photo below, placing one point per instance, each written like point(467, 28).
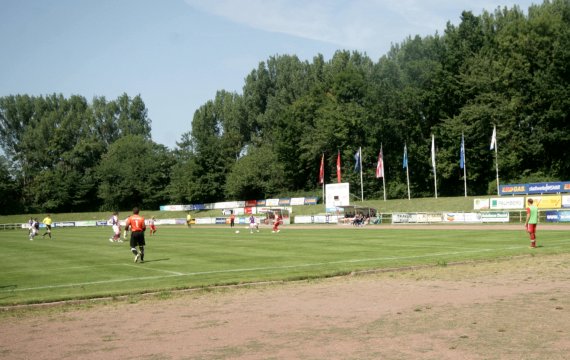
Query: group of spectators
point(360, 220)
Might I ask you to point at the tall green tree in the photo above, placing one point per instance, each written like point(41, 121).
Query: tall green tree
point(134, 172)
point(9, 190)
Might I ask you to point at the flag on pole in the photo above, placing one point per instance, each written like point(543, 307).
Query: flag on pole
point(405, 161)
point(494, 138)
point(322, 171)
point(462, 153)
point(380, 165)
point(405, 166)
point(338, 167)
point(357, 160)
point(433, 164)
point(462, 162)
point(433, 151)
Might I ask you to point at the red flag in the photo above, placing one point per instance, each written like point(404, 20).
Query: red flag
point(338, 167)
point(380, 165)
point(322, 171)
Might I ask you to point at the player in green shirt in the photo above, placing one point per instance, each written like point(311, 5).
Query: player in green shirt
point(531, 221)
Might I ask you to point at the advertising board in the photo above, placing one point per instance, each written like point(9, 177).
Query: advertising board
point(298, 201)
point(460, 217)
point(311, 200)
point(546, 202)
point(174, 207)
point(272, 202)
point(535, 188)
point(558, 216)
point(566, 201)
point(495, 216)
point(507, 203)
point(64, 224)
point(316, 219)
point(416, 218)
point(86, 223)
point(480, 204)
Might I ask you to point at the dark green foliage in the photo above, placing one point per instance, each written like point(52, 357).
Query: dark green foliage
point(134, 172)
point(257, 175)
point(54, 146)
point(9, 191)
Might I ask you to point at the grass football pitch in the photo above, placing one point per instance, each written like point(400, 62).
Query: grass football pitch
point(81, 263)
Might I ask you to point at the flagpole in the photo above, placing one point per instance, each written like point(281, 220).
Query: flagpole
point(494, 146)
point(383, 172)
point(324, 198)
point(322, 180)
point(361, 186)
point(407, 168)
point(433, 163)
point(338, 176)
point(497, 166)
point(464, 164)
point(408, 178)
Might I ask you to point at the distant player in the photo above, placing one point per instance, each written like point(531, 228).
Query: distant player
point(114, 221)
point(35, 228)
point(136, 224)
point(30, 226)
point(531, 221)
point(253, 224)
point(152, 226)
point(276, 223)
point(47, 222)
point(188, 220)
point(232, 219)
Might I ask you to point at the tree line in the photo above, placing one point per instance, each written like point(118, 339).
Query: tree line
point(503, 68)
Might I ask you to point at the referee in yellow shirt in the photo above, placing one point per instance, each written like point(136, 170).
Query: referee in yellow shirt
point(47, 222)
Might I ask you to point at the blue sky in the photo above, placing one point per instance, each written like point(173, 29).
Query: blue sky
point(177, 53)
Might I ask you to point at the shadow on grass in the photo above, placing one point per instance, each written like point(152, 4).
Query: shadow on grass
point(2, 287)
point(7, 291)
point(156, 260)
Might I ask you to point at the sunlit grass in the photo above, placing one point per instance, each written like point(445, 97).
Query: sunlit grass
point(81, 263)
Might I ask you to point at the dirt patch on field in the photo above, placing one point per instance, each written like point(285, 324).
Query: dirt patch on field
point(508, 309)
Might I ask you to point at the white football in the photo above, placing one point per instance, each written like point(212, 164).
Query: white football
point(237, 231)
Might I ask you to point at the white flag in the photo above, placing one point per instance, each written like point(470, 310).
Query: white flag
point(433, 151)
point(494, 138)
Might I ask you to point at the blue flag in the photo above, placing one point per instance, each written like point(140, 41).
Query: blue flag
point(405, 161)
point(357, 159)
point(462, 153)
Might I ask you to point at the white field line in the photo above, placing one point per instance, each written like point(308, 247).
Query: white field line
point(153, 269)
point(267, 268)
point(428, 245)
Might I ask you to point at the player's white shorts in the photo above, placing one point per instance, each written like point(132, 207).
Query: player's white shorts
point(252, 225)
point(116, 229)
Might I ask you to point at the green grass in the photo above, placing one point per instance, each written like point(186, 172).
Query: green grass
point(81, 263)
